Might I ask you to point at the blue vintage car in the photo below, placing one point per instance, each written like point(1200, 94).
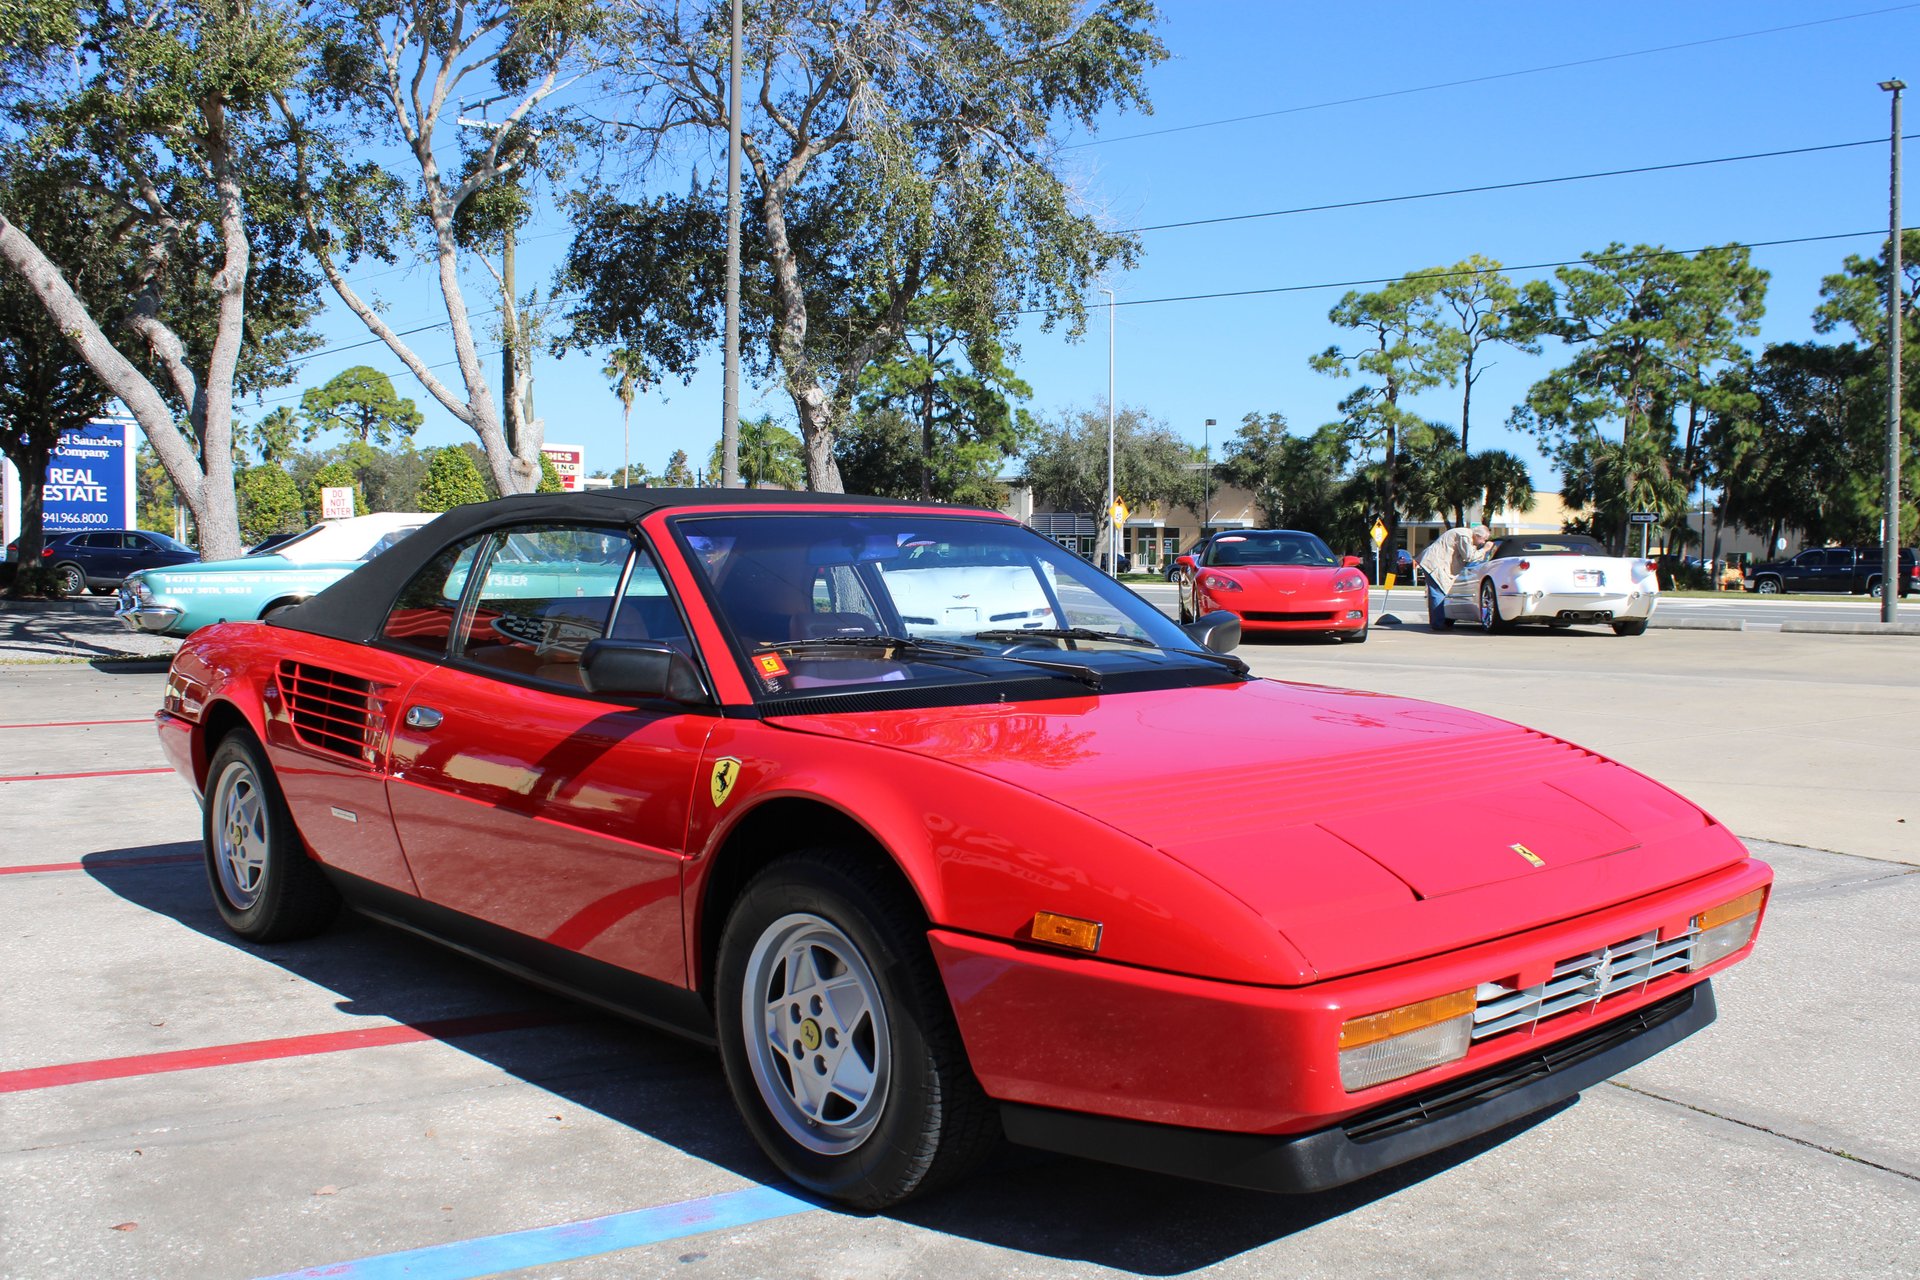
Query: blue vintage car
point(179, 601)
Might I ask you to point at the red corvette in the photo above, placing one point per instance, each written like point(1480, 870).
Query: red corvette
point(942, 835)
point(1279, 580)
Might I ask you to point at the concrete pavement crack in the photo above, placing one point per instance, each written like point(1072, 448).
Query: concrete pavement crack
point(1760, 1128)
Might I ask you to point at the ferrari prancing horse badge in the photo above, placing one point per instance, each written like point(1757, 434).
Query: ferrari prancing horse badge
point(726, 772)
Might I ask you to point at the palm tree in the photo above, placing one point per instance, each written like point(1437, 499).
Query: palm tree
point(628, 372)
point(1502, 481)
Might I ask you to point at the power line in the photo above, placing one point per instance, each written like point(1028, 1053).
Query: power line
point(1480, 271)
point(1510, 186)
point(1498, 75)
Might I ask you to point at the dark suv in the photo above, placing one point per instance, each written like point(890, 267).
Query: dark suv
point(101, 558)
point(1839, 570)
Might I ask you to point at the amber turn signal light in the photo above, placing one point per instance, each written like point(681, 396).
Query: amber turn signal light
point(1408, 1017)
point(1714, 917)
point(1066, 931)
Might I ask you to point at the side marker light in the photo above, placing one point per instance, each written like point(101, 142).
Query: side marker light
point(1066, 931)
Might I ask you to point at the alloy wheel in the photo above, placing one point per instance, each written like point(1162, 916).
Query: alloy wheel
point(240, 842)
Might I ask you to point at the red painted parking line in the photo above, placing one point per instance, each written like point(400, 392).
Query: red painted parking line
point(74, 724)
point(105, 864)
point(102, 773)
point(222, 1055)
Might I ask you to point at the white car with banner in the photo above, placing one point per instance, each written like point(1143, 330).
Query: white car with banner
point(1559, 579)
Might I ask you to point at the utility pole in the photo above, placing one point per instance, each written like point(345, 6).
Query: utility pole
point(1206, 508)
point(1890, 532)
point(1113, 531)
point(730, 396)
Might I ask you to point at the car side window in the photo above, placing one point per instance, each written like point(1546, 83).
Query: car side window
point(647, 610)
point(423, 614)
point(548, 592)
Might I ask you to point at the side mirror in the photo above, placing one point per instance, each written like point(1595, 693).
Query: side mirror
point(641, 669)
point(1185, 562)
point(1218, 631)
point(1349, 562)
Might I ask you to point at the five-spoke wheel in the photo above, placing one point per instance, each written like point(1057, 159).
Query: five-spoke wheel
point(264, 885)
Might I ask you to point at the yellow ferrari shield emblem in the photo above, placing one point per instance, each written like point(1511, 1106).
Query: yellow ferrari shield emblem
point(1533, 859)
point(726, 772)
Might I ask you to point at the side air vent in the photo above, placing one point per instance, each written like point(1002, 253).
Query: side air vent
point(331, 711)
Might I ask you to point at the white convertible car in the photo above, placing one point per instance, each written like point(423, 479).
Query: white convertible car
point(1558, 579)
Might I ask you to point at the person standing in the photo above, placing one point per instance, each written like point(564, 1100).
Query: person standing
point(1444, 561)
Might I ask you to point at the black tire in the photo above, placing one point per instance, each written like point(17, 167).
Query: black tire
point(1767, 586)
point(264, 885)
point(924, 1121)
point(1186, 614)
point(1355, 637)
point(72, 578)
point(1490, 619)
point(1873, 587)
point(1631, 627)
point(278, 606)
point(104, 591)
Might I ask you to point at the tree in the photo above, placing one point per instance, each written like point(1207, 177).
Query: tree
point(45, 387)
point(272, 437)
point(881, 452)
point(1066, 464)
point(1401, 356)
point(1296, 481)
point(628, 370)
point(549, 477)
point(769, 455)
point(1647, 328)
point(361, 402)
point(1500, 480)
point(158, 118)
point(678, 474)
point(960, 388)
point(335, 475)
point(452, 481)
point(887, 146)
point(391, 69)
point(1474, 305)
point(269, 502)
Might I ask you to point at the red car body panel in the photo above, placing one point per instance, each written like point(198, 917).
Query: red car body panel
point(1266, 860)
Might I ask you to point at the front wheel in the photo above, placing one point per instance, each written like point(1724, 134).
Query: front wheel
point(837, 1037)
point(1767, 586)
point(264, 885)
point(1355, 637)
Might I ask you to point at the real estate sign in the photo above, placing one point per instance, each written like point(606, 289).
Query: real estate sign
point(89, 484)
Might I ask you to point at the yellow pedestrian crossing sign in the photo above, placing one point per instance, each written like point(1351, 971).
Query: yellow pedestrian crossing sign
point(1119, 511)
point(1379, 534)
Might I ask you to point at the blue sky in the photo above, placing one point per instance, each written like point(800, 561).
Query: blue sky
point(1185, 362)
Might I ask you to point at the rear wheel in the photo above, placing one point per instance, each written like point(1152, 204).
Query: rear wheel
point(264, 885)
point(1631, 627)
point(1490, 619)
point(1873, 588)
point(837, 1036)
point(71, 577)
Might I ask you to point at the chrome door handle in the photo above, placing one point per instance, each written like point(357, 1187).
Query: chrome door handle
point(423, 718)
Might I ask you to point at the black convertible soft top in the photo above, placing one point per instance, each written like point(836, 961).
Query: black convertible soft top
point(355, 607)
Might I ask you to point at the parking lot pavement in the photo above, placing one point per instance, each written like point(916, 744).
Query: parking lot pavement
point(179, 1104)
point(82, 627)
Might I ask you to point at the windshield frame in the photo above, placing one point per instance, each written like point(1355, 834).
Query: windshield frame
point(1170, 658)
point(1271, 536)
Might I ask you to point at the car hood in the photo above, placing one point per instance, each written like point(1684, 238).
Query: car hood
point(1280, 577)
point(245, 564)
point(1368, 829)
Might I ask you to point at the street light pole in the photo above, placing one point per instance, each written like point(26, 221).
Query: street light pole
point(730, 391)
point(1113, 530)
point(1206, 477)
point(1890, 533)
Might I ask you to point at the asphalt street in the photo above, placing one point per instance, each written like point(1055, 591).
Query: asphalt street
point(178, 1104)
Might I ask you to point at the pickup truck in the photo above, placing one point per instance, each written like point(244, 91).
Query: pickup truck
point(1834, 570)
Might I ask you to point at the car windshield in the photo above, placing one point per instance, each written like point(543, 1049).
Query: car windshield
point(167, 543)
point(914, 602)
point(1572, 544)
point(1269, 548)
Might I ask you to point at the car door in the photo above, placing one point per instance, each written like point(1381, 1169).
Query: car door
point(1803, 572)
point(523, 800)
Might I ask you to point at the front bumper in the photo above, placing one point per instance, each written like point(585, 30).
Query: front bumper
point(135, 616)
point(1292, 613)
point(1392, 1134)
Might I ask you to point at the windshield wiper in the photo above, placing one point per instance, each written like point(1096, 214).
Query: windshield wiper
point(912, 645)
point(1226, 660)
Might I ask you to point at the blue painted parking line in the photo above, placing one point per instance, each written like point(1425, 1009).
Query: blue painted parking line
point(540, 1246)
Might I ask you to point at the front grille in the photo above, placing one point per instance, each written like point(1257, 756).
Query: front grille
point(1581, 982)
point(331, 711)
point(1255, 615)
point(1457, 1095)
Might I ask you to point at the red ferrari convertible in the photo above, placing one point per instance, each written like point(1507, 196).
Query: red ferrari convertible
point(1278, 580)
point(943, 836)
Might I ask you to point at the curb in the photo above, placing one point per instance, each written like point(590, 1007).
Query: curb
point(1854, 628)
point(1696, 624)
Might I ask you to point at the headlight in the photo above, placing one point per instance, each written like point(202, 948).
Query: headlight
point(1724, 929)
point(1350, 582)
point(1415, 1037)
point(1215, 582)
